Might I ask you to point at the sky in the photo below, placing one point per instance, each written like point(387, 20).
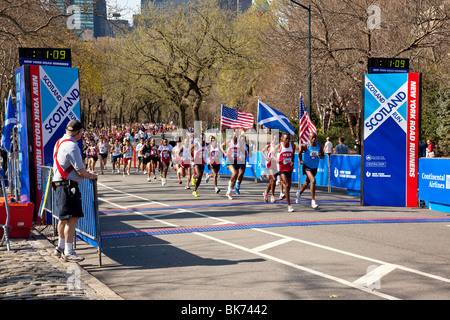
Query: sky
point(130, 7)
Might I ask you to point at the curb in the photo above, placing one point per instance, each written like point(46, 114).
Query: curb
point(99, 287)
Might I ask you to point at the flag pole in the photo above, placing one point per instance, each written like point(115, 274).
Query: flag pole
point(299, 144)
point(257, 139)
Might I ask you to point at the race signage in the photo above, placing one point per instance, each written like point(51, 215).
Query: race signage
point(391, 136)
point(49, 99)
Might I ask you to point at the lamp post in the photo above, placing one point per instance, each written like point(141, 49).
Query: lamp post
point(308, 8)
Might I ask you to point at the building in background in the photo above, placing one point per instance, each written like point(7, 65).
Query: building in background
point(89, 19)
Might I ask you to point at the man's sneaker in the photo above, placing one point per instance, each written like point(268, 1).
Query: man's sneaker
point(314, 204)
point(58, 252)
point(230, 197)
point(193, 181)
point(282, 196)
point(207, 178)
point(179, 181)
point(217, 190)
point(237, 188)
point(297, 195)
point(290, 209)
point(266, 197)
point(71, 257)
point(187, 187)
point(272, 199)
point(148, 179)
point(195, 194)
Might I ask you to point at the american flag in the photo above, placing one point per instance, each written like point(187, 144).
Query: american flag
point(235, 119)
point(305, 124)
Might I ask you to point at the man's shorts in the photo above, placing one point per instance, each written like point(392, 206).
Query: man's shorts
point(306, 168)
point(286, 173)
point(236, 166)
point(68, 202)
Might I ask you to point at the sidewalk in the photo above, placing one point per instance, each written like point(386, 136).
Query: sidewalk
point(30, 272)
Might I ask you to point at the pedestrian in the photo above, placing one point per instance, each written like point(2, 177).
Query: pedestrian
point(68, 173)
point(138, 154)
point(116, 153)
point(214, 161)
point(328, 147)
point(242, 160)
point(341, 148)
point(164, 151)
point(271, 167)
point(103, 148)
point(233, 162)
point(309, 155)
point(357, 146)
point(198, 149)
point(146, 158)
point(286, 151)
point(127, 153)
point(184, 153)
point(430, 149)
point(92, 154)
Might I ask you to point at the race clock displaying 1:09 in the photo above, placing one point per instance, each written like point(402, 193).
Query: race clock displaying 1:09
point(392, 63)
point(46, 54)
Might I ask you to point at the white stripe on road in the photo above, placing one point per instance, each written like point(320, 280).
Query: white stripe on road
point(272, 244)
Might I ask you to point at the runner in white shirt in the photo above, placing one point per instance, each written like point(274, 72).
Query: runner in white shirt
point(127, 153)
point(103, 148)
point(184, 153)
point(139, 156)
point(215, 156)
point(116, 153)
point(165, 150)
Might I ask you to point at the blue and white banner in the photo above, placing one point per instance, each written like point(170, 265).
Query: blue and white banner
point(49, 99)
point(345, 171)
point(391, 110)
point(434, 180)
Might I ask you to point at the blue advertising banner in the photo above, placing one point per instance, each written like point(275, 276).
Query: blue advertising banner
point(390, 158)
point(345, 171)
point(434, 182)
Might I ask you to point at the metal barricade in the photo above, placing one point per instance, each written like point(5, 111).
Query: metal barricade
point(88, 227)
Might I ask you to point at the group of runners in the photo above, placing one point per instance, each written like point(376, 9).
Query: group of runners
point(190, 156)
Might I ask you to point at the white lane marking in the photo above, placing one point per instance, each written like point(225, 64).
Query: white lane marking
point(374, 275)
point(296, 266)
point(272, 244)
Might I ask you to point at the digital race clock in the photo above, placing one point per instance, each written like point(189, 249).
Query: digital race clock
point(388, 65)
point(46, 56)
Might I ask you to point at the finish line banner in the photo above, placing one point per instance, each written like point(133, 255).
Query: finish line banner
point(391, 135)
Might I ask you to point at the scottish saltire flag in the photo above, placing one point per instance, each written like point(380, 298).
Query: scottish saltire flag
point(235, 119)
point(273, 119)
point(305, 125)
point(10, 122)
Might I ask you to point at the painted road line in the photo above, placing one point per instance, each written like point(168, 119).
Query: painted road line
point(374, 275)
point(299, 267)
point(272, 244)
